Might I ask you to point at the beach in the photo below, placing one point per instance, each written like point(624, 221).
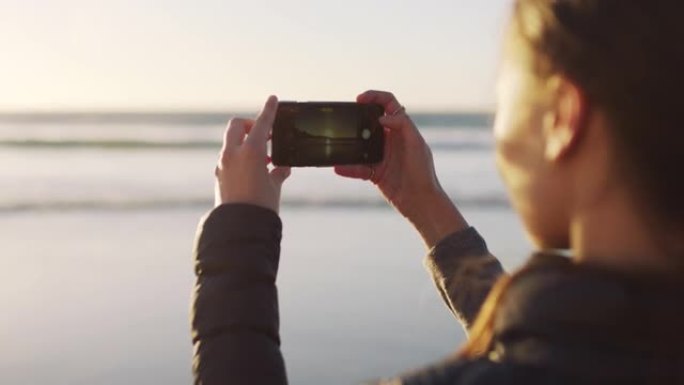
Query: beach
point(96, 268)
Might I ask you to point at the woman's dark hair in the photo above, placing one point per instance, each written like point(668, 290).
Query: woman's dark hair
point(627, 57)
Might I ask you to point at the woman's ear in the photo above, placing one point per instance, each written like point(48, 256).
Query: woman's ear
point(564, 122)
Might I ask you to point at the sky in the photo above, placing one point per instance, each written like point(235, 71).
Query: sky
point(103, 55)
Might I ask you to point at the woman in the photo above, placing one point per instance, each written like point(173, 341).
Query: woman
point(589, 143)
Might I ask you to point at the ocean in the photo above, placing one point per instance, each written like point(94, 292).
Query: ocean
point(98, 214)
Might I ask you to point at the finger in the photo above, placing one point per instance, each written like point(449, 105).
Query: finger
point(396, 122)
point(264, 122)
point(354, 172)
point(385, 99)
point(237, 130)
point(279, 174)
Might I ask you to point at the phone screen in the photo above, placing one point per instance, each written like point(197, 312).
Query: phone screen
point(327, 134)
point(327, 122)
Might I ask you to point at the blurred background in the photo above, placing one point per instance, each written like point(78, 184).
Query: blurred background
point(111, 117)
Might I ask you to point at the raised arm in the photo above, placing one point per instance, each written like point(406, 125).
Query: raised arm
point(462, 268)
point(464, 272)
point(235, 304)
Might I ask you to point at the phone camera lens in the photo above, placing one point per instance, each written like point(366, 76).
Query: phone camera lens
point(366, 134)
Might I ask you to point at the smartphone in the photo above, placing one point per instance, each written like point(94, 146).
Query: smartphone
point(319, 134)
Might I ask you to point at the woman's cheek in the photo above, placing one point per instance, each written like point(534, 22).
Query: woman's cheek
point(519, 161)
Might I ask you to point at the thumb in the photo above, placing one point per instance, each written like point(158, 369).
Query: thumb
point(264, 122)
point(279, 174)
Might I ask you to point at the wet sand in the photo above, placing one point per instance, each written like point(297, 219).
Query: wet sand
point(102, 296)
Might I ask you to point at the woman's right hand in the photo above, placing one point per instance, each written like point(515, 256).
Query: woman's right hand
point(406, 176)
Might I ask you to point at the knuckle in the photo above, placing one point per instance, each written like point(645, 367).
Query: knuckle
point(224, 159)
point(222, 163)
point(226, 135)
point(235, 123)
point(386, 94)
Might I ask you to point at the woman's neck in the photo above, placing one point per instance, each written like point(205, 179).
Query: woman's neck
point(613, 233)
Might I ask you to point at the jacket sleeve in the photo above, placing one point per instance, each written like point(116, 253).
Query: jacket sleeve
point(234, 317)
point(464, 272)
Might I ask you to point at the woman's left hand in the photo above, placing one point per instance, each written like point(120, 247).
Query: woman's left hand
point(242, 174)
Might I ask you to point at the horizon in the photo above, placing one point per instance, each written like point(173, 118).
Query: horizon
point(475, 118)
point(208, 111)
